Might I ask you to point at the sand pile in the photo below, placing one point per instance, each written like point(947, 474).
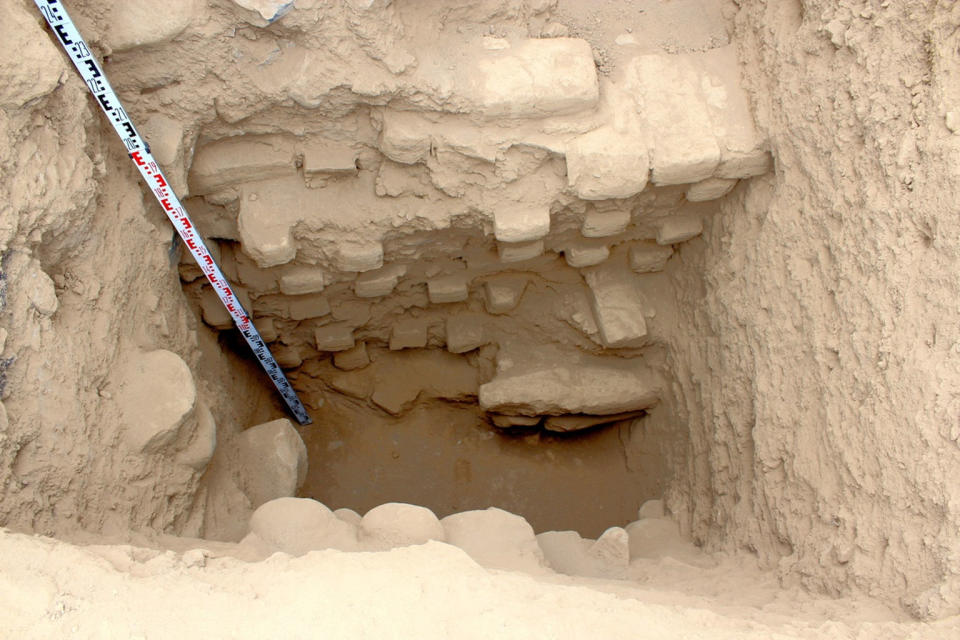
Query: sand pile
point(532, 266)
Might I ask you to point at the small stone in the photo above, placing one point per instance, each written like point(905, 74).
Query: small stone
point(566, 424)
point(213, 312)
point(506, 422)
point(299, 525)
point(139, 23)
point(611, 552)
point(710, 189)
point(302, 280)
point(519, 251)
point(355, 358)
point(195, 558)
point(334, 338)
point(267, 329)
point(396, 398)
point(678, 229)
point(355, 385)
point(3, 339)
point(305, 307)
point(502, 294)
point(374, 284)
point(651, 509)
point(464, 333)
point(616, 306)
point(41, 290)
point(359, 257)
point(200, 449)
point(273, 460)
point(649, 257)
point(156, 398)
point(600, 224)
point(447, 289)
point(288, 357)
point(349, 516)
point(585, 256)
point(404, 136)
point(330, 158)
point(613, 386)
point(409, 334)
point(496, 539)
point(521, 223)
point(952, 121)
point(238, 160)
point(604, 164)
point(395, 524)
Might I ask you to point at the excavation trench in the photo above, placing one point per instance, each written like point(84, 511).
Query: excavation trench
point(397, 417)
point(599, 265)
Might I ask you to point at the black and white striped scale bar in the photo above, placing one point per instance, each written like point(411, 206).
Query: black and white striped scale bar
point(78, 52)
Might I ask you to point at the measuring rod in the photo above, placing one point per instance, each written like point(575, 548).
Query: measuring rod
point(139, 151)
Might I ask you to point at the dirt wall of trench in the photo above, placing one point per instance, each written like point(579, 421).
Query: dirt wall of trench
point(822, 349)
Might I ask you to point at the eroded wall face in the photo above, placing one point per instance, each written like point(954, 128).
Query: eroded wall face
point(104, 425)
point(828, 354)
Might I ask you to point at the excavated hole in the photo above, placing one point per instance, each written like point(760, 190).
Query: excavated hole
point(397, 417)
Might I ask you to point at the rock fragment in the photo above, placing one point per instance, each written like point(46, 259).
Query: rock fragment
point(409, 333)
point(496, 539)
point(600, 224)
point(605, 388)
point(464, 333)
point(519, 251)
point(502, 294)
point(381, 282)
point(273, 461)
point(396, 524)
point(648, 257)
point(710, 189)
point(41, 289)
point(579, 256)
point(676, 229)
point(606, 164)
point(355, 358)
point(300, 525)
point(684, 146)
point(521, 223)
point(334, 338)
point(617, 306)
point(565, 424)
point(240, 159)
point(447, 289)
point(302, 280)
point(156, 398)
